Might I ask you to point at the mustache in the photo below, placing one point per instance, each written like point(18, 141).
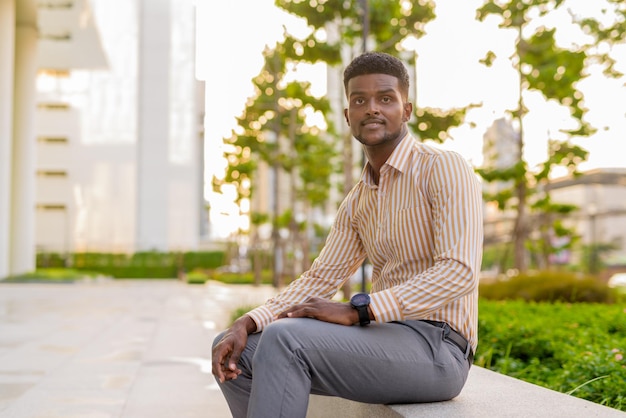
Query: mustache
point(372, 120)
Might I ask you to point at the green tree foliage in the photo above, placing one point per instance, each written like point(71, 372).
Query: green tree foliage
point(386, 25)
point(554, 71)
point(434, 124)
point(273, 129)
point(547, 214)
point(607, 30)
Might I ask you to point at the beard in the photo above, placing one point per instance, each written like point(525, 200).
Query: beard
point(387, 138)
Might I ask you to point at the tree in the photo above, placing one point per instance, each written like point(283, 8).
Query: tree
point(339, 29)
point(552, 70)
point(553, 236)
point(383, 25)
point(273, 129)
point(386, 23)
point(607, 30)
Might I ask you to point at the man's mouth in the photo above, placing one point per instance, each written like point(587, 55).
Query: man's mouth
point(373, 122)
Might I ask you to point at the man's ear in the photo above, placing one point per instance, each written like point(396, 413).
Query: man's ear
point(345, 114)
point(408, 111)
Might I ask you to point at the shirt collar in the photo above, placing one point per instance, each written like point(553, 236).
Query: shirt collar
point(398, 159)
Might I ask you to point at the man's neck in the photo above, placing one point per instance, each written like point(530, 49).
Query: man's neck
point(377, 157)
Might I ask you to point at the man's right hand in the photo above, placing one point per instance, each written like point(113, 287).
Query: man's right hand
point(226, 353)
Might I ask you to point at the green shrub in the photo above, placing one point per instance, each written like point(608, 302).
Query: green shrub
point(549, 286)
point(203, 260)
point(241, 278)
point(578, 349)
point(150, 264)
point(52, 275)
point(196, 277)
point(242, 310)
point(51, 260)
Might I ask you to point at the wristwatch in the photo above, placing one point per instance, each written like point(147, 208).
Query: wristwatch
point(360, 302)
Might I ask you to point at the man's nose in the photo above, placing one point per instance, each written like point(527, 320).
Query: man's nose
point(372, 107)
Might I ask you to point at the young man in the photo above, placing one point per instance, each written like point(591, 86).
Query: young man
point(416, 214)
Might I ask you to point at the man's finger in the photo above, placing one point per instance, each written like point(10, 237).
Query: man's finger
point(217, 363)
point(228, 375)
point(233, 361)
point(217, 372)
point(235, 354)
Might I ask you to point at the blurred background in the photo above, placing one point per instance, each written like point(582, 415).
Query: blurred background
point(194, 139)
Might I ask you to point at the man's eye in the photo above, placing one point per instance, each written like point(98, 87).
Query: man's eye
point(359, 101)
point(386, 99)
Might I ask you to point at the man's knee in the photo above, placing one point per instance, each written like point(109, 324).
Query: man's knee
point(284, 329)
point(283, 336)
point(272, 333)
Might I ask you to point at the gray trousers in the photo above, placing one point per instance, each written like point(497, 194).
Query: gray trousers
point(381, 363)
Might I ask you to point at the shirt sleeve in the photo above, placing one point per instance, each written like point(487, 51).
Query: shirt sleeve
point(342, 255)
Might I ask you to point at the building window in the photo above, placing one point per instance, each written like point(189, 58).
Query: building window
point(51, 5)
point(51, 173)
point(54, 106)
point(53, 139)
point(51, 206)
point(54, 73)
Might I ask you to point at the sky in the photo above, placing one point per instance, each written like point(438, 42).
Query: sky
point(233, 34)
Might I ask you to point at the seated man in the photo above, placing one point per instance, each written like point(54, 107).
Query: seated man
point(416, 214)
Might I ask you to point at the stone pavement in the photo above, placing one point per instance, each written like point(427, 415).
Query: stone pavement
point(105, 348)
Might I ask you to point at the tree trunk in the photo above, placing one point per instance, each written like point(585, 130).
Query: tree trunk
point(520, 230)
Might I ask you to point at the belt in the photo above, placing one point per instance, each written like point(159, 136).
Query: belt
point(455, 337)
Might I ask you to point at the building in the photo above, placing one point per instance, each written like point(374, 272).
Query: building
point(500, 150)
point(600, 196)
point(33, 36)
point(101, 129)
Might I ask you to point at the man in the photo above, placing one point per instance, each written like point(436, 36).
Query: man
point(416, 214)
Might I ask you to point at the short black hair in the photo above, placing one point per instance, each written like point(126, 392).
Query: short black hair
point(377, 63)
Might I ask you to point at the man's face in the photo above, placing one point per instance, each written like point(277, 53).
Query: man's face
point(376, 110)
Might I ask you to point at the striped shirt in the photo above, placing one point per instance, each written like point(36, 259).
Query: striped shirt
point(420, 228)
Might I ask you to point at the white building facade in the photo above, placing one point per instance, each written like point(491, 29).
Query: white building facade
point(600, 196)
point(106, 152)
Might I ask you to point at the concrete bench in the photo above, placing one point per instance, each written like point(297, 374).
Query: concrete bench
point(486, 394)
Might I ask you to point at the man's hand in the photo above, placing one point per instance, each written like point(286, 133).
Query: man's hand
point(323, 310)
point(227, 352)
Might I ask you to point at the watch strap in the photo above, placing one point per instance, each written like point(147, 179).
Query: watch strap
point(364, 316)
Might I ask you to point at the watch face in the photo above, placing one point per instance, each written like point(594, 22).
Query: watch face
point(360, 299)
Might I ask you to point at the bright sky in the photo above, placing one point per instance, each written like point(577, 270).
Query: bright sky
point(232, 35)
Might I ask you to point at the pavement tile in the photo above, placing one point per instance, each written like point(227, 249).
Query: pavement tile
point(114, 348)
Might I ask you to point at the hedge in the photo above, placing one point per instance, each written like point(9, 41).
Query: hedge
point(138, 265)
point(574, 348)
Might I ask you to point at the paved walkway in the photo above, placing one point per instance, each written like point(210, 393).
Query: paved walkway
point(100, 349)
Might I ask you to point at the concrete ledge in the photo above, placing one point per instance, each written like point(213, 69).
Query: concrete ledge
point(486, 394)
